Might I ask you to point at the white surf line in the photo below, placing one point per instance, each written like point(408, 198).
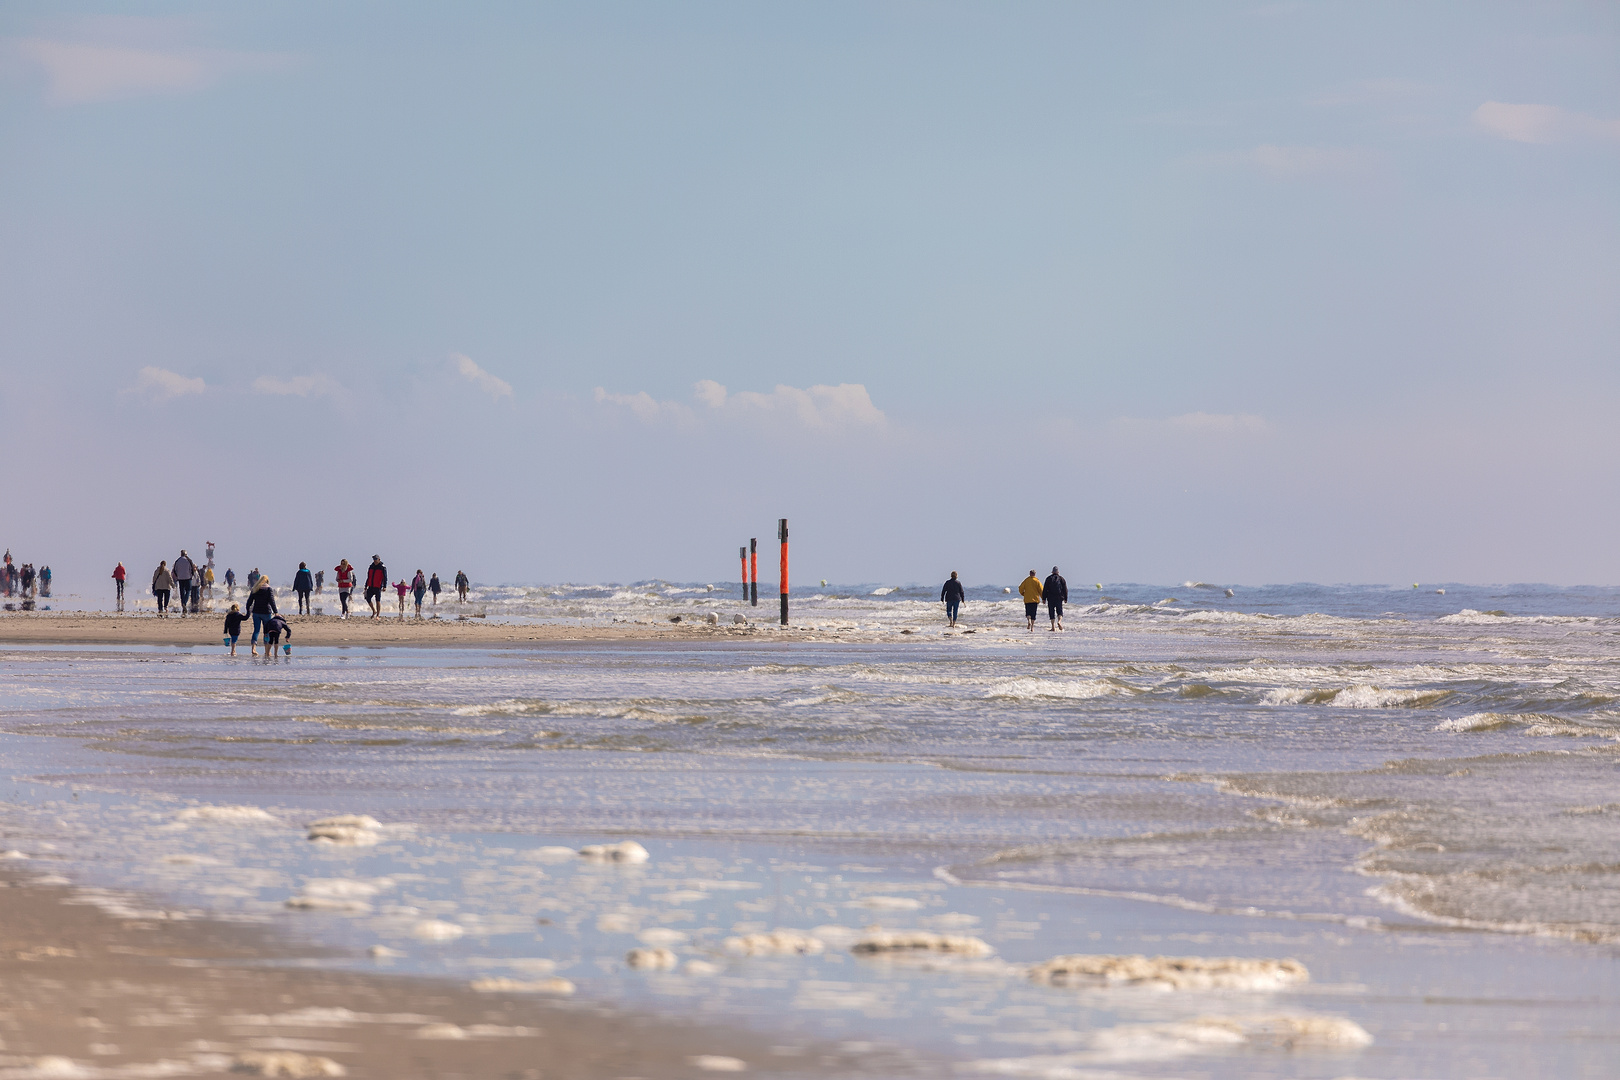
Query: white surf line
point(1359, 922)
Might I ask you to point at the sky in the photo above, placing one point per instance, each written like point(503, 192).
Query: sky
point(1246, 293)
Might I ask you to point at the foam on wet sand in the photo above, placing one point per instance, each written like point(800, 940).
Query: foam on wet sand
point(1170, 972)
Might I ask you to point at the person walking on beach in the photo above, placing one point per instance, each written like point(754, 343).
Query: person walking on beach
point(233, 626)
point(230, 584)
point(303, 585)
point(345, 585)
point(5, 572)
point(434, 587)
point(953, 595)
point(183, 570)
point(253, 580)
point(1030, 590)
point(320, 581)
point(462, 585)
point(376, 582)
point(419, 587)
point(45, 581)
point(208, 583)
point(401, 588)
point(162, 584)
point(262, 606)
point(1056, 590)
point(119, 574)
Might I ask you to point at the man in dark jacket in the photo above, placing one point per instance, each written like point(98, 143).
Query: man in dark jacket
point(182, 571)
point(1055, 591)
point(953, 596)
point(376, 582)
point(303, 583)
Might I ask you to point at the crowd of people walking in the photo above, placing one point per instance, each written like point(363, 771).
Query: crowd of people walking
point(194, 584)
point(24, 581)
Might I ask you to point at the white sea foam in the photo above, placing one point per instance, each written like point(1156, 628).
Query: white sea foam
point(652, 959)
point(227, 815)
point(1358, 696)
point(1075, 689)
point(1157, 1042)
point(774, 943)
point(626, 851)
point(920, 941)
point(436, 930)
point(557, 986)
point(1170, 972)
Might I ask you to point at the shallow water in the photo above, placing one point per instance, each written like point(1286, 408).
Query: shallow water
point(1415, 798)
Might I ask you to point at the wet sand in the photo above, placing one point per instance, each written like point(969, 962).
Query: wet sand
point(82, 628)
point(85, 992)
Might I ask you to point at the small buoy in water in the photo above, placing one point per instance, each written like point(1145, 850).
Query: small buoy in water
point(823, 583)
point(1099, 586)
point(1414, 584)
point(1439, 592)
point(1007, 590)
point(1229, 592)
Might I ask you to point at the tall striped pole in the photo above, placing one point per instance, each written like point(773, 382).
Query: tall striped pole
point(781, 534)
point(753, 559)
point(742, 554)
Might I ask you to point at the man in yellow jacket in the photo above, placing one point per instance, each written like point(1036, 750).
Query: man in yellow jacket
point(1030, 590)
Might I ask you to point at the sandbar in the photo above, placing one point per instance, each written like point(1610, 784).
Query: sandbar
point(103, 628)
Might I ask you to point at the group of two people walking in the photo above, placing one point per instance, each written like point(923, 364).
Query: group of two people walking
point(1055, 591)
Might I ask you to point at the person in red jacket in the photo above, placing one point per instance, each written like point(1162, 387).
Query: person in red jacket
point(345, 584)
point(376, 582)
point(118, 575)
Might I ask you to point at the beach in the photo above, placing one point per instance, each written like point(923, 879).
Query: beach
point(1287, 833)
point(359, 631)
point(135, 991)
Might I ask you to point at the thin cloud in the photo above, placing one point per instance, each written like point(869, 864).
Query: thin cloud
point(162, 384)
point(465, 367)
point(297, 386)
point(815, 408)
point(1542, 123)
point(83, 60)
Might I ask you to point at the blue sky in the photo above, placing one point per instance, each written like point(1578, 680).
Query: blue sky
point(1251, 293)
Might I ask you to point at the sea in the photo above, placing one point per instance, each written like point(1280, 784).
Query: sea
point(1345, 831)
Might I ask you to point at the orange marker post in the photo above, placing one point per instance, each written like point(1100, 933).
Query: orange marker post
point(742, 554)
point(781, 534)
point(753, 558)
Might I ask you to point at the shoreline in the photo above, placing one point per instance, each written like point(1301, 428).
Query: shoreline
point(106, 986)
point(107, 628)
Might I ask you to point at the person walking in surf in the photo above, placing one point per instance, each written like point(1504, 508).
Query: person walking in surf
point(1030, 590)
point(233, 626)
point(162, 585)
point(345, 584)
point(182, 572)
point(261, 604)
point(376, 582)
point(119, 574)
point(434, 587)
point(401, 588)
point(953, 595)
point(1056, 590)
point(419, 588)
point(303, 585)
point(462, 584)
